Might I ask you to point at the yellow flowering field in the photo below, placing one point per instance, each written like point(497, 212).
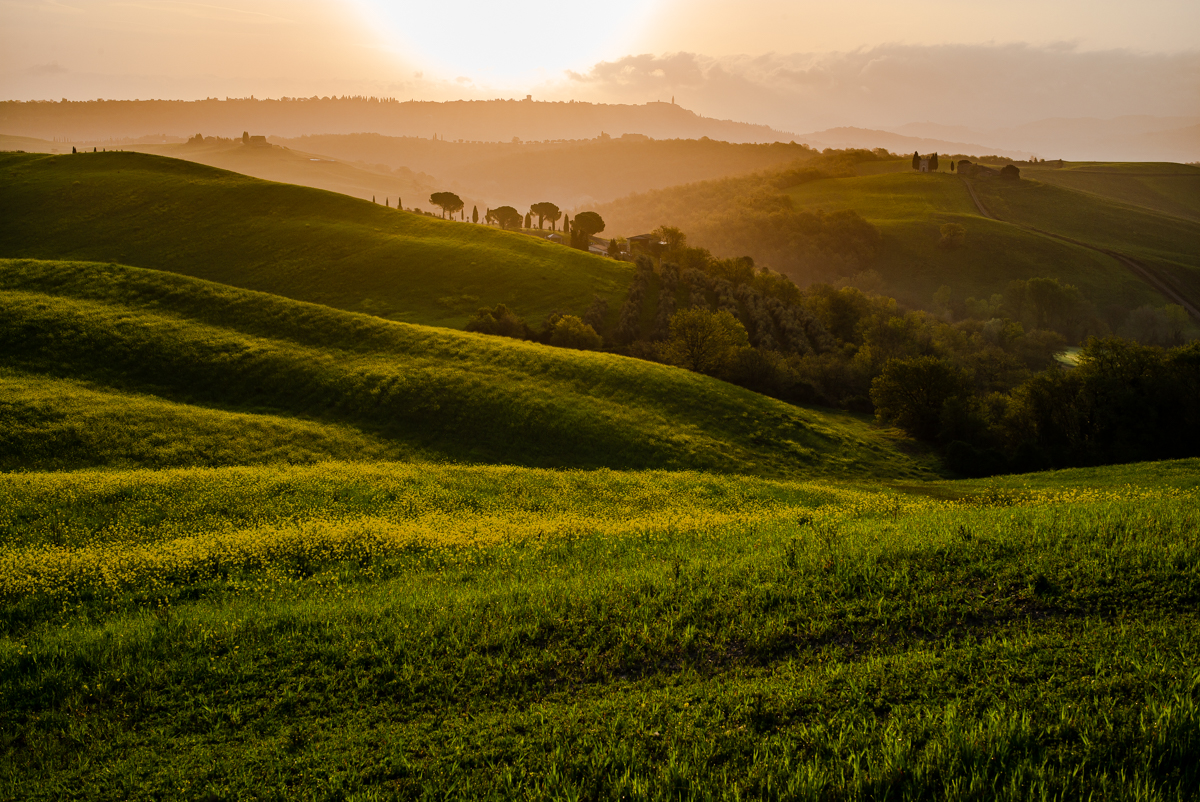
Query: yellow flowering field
point(148, 530)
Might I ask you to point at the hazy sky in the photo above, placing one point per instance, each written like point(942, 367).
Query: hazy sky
point(740, 59)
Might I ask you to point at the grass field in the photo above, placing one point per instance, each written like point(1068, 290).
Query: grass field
point(1169, 243)
point(427, 631)
point(909, 208)
point(303, 243)
point(403, 389)
point(1166, 188)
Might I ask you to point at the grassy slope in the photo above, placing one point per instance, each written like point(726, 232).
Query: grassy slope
point(302, 243)
point(909, 208)
point(59, 424)
point(330, 632)
point(1169, 243)
point(456, 395)
point(1167, 188)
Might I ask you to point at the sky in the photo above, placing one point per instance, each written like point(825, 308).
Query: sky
point(797, 65)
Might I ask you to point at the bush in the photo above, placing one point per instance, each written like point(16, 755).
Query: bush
point(568, 331)
point(499, 321)
point(953, 236)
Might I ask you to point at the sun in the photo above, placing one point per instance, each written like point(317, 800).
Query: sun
point(495, 42)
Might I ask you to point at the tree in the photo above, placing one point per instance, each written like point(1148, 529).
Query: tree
point(474, 214)
point(586, 225)
point(933, 163)
point(528, 220)
point(448, 201)
point(566, 224)
point(614, 247)
point(916, 160)
point(951, 166)
point(245, 137)
point(674, 237)
point(911, 393)
point(546, 211)
point(507, 217)
point(399, 204)
point(568, 331)
point(704, 341)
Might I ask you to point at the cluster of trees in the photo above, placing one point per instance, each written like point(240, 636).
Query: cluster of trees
point(1124, 402)
point(581, 229)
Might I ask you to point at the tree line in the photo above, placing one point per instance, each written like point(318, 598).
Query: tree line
point(990, 392)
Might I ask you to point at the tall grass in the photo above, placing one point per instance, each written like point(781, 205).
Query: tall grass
point(607, 634)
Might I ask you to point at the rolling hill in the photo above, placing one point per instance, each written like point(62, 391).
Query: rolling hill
point(302, 243)
point(909, 208)
point(278, 370)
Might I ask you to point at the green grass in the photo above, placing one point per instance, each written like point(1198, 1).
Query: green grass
point(909, 209)
point(1169, 243)
point(403, 388)
point(302, 243)
point(423, 631)
point(1164, 187)
point(60, 424)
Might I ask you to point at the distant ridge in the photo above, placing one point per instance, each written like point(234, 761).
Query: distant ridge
point(849, 137)
point(472, 120)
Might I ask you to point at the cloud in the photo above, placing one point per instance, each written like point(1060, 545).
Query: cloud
point(888, 85)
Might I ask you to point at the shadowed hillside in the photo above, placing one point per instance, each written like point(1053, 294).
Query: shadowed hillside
point(394, 387)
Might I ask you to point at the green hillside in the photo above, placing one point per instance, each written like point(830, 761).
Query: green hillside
point(1167, 188)
point(1170, 244)
point(405, 388)
point(909, 208)
point(302, 243)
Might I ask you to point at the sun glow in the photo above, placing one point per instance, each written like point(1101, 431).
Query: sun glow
point(494, 43)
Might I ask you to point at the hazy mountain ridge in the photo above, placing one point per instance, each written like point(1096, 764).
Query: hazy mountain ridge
point(486, 120)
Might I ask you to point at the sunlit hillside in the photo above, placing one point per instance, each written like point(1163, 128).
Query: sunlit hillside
point(302, 243)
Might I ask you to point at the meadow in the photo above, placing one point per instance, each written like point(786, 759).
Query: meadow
point(350, 631)
point(302, 243)
point(266, 547)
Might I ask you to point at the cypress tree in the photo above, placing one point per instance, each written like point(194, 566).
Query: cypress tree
point(474, 214)
point(916, 160)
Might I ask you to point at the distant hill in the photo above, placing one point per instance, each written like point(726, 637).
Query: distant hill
point(179, 359)
point(907, 209)
point(302, 243)
point(279, 164)
point(485, 120)
point(573, 174)
point(1140, 138)
point(899, 143)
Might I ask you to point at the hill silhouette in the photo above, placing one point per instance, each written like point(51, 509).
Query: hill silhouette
point(489, 120)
